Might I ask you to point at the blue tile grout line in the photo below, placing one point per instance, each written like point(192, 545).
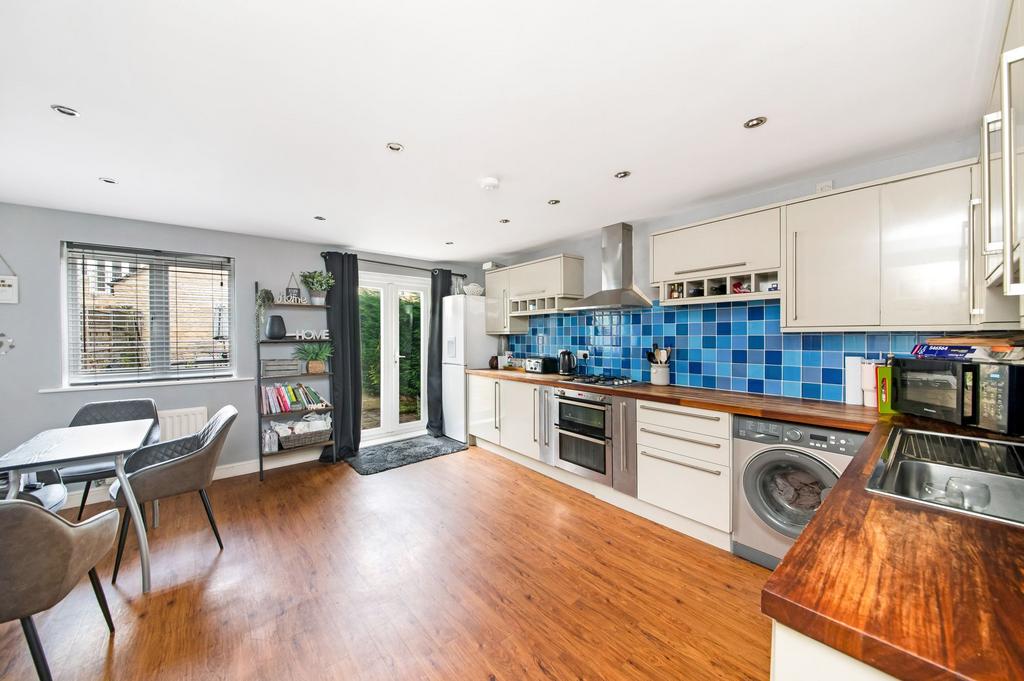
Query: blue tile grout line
point(728, 346)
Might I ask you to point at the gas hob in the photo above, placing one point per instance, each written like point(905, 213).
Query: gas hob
point(598, 380)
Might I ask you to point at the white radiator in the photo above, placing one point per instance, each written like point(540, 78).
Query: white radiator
point(180, 422)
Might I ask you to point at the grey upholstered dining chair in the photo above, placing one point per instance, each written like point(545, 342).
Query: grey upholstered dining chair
point(166, 469)
point(44, 558)
point(50, 492)
point(108, 412)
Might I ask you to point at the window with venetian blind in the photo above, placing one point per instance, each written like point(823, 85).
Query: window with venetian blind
point(141, 315)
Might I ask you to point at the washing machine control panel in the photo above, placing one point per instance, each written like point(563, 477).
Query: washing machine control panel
point(811, 437)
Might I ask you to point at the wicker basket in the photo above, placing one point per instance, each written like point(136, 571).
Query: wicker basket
point(305, 439)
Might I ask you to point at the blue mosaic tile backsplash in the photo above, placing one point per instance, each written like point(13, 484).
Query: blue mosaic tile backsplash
point(727, 346)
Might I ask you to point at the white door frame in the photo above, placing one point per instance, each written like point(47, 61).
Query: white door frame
point(390, 285)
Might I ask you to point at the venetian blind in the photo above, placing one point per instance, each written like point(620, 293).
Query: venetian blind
point(140, 315)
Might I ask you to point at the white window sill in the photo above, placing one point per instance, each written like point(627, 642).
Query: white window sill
point(146, 384)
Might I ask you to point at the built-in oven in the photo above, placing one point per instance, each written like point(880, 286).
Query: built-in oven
point(594, 436)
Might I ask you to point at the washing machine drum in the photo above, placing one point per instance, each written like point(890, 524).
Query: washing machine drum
point(784, 487)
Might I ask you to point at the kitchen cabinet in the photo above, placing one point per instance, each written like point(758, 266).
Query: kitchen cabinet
point(832, 261)
point(988, 304)
point(484, 407)
point(1011, 78)
point(926, 250)
point(559, 275)
point(519, 417)
point(686, 486)
point(739, 244)
point(497, 304)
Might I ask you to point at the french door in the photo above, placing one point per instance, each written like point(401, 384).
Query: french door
point(394, 324)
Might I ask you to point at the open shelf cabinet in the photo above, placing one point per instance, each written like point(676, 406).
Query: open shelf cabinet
point(747, 286)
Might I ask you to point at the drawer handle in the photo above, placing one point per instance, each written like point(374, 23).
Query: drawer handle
point(681, 413)
point(680, 463)
point(713, 267)
point(714, 445)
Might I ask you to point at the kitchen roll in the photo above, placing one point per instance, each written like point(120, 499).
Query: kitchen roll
point(854, 393)
point(868, 380)
point(870, 398)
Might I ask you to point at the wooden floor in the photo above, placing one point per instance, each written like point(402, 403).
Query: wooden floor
point(467, 566)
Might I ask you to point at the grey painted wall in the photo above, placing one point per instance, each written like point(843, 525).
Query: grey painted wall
point(589, 245)
point(30, 241)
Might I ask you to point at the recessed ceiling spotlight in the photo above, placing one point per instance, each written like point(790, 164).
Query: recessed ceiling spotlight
point(553, 202)
point(755, 122)
point(108, 180)
point(622, 174)
point(321, 218)
point(489, 184)
point(448, 243)
point(66, 110)
point(504, 221)
point(394, 146)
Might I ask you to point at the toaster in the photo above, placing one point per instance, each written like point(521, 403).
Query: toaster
point(541, 365)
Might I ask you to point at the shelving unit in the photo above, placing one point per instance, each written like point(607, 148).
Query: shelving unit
point(720, 289)
point(261, 380)
point(525, 307)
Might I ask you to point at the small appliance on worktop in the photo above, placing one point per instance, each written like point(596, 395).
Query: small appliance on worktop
point(987, 395)
point(540, 365)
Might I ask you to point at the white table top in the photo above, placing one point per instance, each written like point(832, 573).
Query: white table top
point(63, 446)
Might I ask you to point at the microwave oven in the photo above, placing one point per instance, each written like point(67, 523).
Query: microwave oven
point(985, 395)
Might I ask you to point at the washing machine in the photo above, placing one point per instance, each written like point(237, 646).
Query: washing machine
point(781, 474)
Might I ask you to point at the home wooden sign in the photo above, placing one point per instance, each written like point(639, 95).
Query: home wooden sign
point(311, 335)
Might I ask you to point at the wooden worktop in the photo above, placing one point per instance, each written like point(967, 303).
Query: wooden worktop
point(811, 412)
point(919, 593)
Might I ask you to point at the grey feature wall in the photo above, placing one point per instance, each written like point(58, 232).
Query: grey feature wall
point(30, 240)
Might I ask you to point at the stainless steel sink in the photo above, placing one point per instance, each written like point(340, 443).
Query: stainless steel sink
point(969, 475)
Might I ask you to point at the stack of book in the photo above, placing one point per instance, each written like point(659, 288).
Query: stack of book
point(281, 399)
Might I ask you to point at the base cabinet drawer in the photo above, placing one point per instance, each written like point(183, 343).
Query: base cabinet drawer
point(703, 421)
point(689, 487)
point(694, 445)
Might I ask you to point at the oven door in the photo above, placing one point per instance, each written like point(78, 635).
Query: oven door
point(583, 442)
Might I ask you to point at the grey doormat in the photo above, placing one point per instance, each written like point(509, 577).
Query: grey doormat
point(380, 458)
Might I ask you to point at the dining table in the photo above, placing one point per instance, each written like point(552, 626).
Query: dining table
point(61, 447)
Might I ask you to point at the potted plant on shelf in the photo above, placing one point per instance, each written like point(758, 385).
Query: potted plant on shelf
point(315, 355)
point(318, 283)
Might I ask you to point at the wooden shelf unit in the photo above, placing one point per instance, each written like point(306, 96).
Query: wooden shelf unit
point(697, 290)
point(261, 380)
point(521, 307)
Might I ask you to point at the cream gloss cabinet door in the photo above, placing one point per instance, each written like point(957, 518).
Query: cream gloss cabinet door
point(832, 261)
point(484, 398)
point(496, 301)
point(536, 279)
point(519, 408)
point(926, 250)
point(741, 244)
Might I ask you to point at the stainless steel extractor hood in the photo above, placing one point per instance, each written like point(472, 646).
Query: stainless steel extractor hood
point(617, 287)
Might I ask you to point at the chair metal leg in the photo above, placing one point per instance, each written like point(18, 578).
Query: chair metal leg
point(101, 598)
point(126, 519)
point(36, 648)
point(156, 513)
point(209, 514)
point(85, 497)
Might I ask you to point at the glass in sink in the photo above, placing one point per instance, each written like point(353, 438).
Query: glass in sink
point(969, 475)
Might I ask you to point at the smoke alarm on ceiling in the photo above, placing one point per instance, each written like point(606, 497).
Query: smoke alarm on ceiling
point(489, 183)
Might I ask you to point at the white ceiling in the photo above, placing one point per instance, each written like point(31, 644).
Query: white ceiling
point(255, 115)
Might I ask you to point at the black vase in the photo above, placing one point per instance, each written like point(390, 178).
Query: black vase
point(275, 327)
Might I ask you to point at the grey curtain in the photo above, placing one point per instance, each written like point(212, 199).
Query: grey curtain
point(347, 381)
point(440, 286)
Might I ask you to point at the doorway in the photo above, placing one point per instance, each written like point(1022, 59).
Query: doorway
point(394, 324)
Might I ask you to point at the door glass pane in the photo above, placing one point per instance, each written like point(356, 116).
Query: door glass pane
point(582, 453)
point(369, 328)
point(410, 310)
point(588, 420)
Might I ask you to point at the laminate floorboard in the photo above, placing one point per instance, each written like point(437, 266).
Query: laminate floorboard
point(467, 566)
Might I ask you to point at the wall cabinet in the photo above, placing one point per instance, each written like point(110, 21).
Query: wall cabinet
point(505, 413)
point(497, 304)
point(926, 248)
point(741, 244)
point(832, 261)
point(559, 275)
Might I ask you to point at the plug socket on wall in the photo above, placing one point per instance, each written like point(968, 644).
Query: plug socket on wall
point(583, 354)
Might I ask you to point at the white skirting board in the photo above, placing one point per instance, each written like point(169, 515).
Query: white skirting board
point(229, 470)
point(708, 535)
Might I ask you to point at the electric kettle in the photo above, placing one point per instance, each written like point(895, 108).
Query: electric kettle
point(566, 363)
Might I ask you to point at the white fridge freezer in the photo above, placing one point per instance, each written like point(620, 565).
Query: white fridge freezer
point(466, 346)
